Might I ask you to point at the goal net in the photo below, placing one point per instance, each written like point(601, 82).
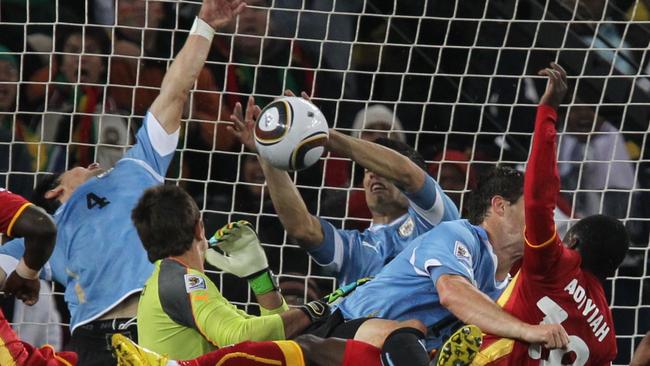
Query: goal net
point(455, 79)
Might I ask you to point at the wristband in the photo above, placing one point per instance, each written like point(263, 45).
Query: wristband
point(25, 272)
point(262, 282)
point(203, 29)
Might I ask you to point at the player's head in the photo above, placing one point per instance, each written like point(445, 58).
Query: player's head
point(168, 222)
point(602, 242)
point(58, 188)
point(382, 196)
point(497, 204)
point(89, 42)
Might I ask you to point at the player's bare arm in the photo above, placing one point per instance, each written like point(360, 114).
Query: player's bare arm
point(181, 75)
point(288, 203)
point(474, 307)
point(642, 354)
point(381, 160)
point(39, 232)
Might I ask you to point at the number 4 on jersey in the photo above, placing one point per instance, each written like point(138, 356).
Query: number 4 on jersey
point(93, 200)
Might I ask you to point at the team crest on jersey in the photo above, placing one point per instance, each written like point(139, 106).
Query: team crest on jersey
point(462, 253)
point(407, 227)
point(194, 283)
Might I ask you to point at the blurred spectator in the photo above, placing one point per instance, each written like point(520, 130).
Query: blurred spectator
point(77, 113)
point(14, 154)
point(371, 123)
point(145, 48)
point(249, 202)
point(453, 173)
point(249, 62)
point(594, 160)
point(243, 61)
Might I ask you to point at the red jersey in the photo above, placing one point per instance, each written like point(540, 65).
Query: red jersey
point(11, 206)
point(551, 287)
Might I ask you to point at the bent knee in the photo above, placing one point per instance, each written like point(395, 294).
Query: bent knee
point(414, 323)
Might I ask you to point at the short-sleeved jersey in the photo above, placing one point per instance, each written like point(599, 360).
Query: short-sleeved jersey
point(98, 255)
point(353, 254)
point(11, 206)
point(550, 286)
point(183, 314)
point(405, 288)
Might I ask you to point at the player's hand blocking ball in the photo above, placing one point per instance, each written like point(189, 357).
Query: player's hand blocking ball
point(236, 249)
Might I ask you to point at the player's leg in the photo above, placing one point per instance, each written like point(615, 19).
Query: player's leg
point(285, 353)
point(401, 343)
point(337, 351)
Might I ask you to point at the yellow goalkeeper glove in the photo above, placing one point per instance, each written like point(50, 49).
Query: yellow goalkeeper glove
point(236, 249)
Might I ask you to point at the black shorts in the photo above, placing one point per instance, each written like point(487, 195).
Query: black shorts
point(336, 326)
point(92, 341)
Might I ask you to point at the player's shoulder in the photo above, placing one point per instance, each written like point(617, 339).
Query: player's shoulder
point(459, 229)
point(6, 195)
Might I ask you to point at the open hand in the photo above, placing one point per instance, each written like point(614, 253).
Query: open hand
point(244, 125)
point(556, 87)
point(218, 13)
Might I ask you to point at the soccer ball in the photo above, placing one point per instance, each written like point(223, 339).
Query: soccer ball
point(290, 133)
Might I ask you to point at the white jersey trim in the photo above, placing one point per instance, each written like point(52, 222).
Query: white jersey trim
point(109, 308)
point(161, 141)
point(8, 264)
point(142, 163)
point(435, 213)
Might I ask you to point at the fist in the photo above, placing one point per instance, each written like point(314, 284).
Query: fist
point(551, 336)
point(23, 289)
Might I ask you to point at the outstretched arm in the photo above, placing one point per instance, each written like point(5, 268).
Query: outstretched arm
point(471, 306)
point(380, 160)
point(542, 180)
point(187, 65)
point(288, 203)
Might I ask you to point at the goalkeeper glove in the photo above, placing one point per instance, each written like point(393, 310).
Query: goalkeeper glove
point(242, 256)
point(316, 310)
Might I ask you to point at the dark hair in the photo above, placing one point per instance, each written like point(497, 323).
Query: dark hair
point(602, 242)
point(165, 218)
point(65, 31)
point(403, 149)
point(501, 181)
point(46, 182)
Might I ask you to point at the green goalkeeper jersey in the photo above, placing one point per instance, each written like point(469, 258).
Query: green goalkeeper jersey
point(182, 314)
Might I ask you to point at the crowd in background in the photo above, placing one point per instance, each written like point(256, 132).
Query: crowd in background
point(75, 82)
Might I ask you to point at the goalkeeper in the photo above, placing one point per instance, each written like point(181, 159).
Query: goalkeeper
point(180, 305)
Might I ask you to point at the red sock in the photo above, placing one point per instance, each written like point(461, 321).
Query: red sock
point(360, 353)
point(288, 353)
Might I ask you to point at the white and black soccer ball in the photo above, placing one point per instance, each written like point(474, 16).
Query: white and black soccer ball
point(290, 133)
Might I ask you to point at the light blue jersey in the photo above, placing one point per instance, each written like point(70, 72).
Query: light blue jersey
point(353, 254)
point(98, 255)
point(405, 288)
